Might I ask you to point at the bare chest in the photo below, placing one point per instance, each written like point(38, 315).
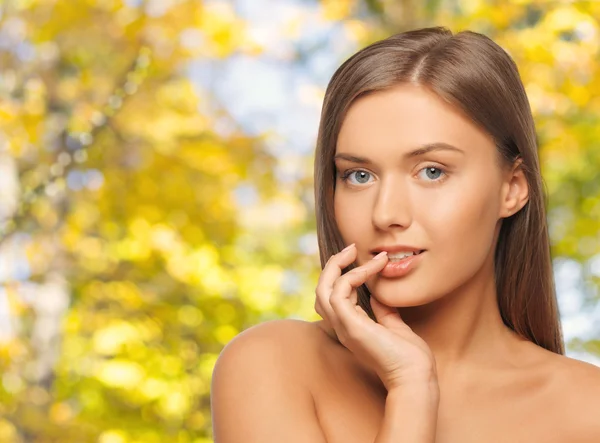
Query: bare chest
point(351, 409)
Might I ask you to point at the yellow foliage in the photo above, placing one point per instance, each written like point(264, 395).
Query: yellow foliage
point(120, 373)
point(224, 333)
point(259, 286)
point(153, 388)
point(174, 403)
point(110, 339)
point(61, 412)
point(112, 436)
point(335, 10)
point(357, 30)
point(223, 32)
point(8, 432)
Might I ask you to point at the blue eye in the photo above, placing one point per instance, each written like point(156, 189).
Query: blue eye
point(359, 175)
point(433, 173)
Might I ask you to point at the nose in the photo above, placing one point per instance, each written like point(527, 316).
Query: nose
point(392, 207)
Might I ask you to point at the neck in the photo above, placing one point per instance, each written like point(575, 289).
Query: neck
point(464, 329)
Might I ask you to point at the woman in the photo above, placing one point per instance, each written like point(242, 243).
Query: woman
point(444, 327)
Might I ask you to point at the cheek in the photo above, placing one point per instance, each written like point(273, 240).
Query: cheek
point(464, 222)
point(352, 217)
point(352, 208)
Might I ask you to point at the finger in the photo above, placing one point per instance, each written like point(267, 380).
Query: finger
point(319, 309)
point(361, 274)
point(361, 311)
point(344, 296)
point(387, 316)
point(332, 270)
point(336, 263)
point(351, 321)
point(326, 316)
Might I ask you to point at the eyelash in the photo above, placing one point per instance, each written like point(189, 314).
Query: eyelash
point(346, 174)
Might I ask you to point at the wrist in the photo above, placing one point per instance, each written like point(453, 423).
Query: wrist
point(426, 393)
point(411, 414)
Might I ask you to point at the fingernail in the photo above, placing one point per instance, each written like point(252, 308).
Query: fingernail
point(380, 255)
point(347, 247)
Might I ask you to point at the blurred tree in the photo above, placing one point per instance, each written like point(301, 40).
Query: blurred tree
point(126, 194)
point(123, 184)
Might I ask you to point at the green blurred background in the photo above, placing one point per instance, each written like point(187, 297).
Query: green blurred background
point(156, 188)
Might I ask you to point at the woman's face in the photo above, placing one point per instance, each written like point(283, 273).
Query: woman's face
point(445, 201)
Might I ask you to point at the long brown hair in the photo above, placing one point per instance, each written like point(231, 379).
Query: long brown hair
point(477, 76)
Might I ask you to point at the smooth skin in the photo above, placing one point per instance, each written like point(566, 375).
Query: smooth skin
point(291, 381)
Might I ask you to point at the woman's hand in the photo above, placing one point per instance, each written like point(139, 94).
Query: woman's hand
point(400, 357)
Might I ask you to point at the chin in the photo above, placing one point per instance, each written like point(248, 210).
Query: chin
point(403, 293)
point(400, 298)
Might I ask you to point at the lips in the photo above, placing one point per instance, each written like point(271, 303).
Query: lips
point(396, 268)
point(398, 250)
point(395, 256)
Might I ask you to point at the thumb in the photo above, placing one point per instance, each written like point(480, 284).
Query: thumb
point(387, 316)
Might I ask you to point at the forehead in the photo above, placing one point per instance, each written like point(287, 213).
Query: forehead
point(406, 116)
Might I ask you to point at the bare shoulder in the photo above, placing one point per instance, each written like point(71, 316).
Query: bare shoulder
point(290, 328)
point(285, 340)
point(586, 378)
point(578, 393)
point(579, 377)
point(260, 386)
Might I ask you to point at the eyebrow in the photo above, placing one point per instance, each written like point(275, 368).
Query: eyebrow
point(421, 150)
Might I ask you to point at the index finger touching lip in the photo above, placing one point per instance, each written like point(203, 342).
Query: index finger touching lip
point(361, 274)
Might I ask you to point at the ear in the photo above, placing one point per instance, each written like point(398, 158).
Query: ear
point(515, 190)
